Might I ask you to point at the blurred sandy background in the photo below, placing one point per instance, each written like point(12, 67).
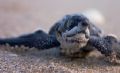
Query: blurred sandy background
point(23, 16)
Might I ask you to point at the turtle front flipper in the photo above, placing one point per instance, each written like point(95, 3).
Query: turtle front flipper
point(38, 39)
point(106, 45)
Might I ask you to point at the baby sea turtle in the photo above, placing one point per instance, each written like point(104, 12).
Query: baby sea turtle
point(78, 37)
point(74, 34)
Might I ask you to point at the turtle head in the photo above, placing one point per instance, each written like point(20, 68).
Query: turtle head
point(73, 25)
point(73, 37)
point(70, 22)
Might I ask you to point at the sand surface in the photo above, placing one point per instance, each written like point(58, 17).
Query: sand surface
point(23, 16)
point(15, 60)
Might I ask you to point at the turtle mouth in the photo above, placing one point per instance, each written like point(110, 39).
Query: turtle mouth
point(77, 38)
point(74, 40)
point(73, 36)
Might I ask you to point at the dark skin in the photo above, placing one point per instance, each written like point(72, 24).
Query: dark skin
point(38, 39)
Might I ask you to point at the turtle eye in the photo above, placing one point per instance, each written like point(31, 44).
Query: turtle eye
point(84, 23)
point(69, 23)
point(58, 33)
